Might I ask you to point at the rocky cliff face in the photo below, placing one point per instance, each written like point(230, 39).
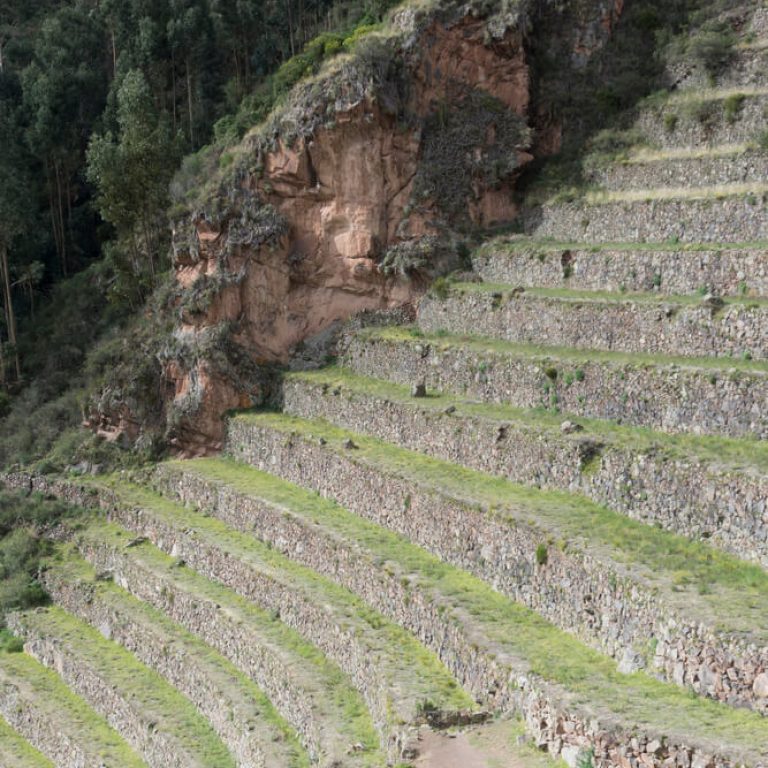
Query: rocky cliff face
point(353, 196)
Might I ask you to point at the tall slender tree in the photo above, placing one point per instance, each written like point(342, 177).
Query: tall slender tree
point(15, 207)
point(132, 171)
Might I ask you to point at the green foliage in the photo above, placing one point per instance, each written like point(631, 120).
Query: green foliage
point(586, 758)
point(22, 520)
point(409, 258)
point(131, 174)
point(440, 289)
point(451, 167)
point(670, 122)
point(732, 107)
point(712, 48)
point(542, 554)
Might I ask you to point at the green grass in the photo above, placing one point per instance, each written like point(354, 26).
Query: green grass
point(149, 695)
point(706, 95)
point(722, 453)
point(73, 717)
point(603, 296)
point(413, 665)
point(644, 155)
point(16, 752)
point(701, 582)
point(487, 346)
point(638, 700)
point(70, 568)
point(528, 244)
point(714, 192)
point(336, 696)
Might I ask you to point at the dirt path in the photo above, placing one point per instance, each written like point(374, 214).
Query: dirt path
point(487, 746)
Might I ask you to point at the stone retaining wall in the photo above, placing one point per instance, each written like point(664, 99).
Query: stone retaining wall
point(615, 608)
point(749, 167)
point(561, 728)
point(687, 496)
point(694, 125)
point(670, 398)
point(746, 68)
point(298, 699)
point(339, 637)
point(48, 736)
point(344, 643)
point(644, 327)
point(667, 271)
point(737, 219)
point(461, 647)
point(251, 740)
point(154, 741)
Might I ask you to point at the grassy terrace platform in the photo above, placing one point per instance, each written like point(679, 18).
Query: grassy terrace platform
point(73, 724)
point(703, 95)
point(647, 155)
point(337, 710)
point(444, 340)
point(525, 244)
point(600, 297)
point(634, 701)
point(410, 670)
point(140, 690)
point(716, 192)
point(647, 323)
point(17, 752)
point(721, 453)
point(699, 581)
point(240, 712)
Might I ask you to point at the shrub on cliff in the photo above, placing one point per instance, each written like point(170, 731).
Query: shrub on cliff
point(456, 155)
point(22, 547)
point(712, 48)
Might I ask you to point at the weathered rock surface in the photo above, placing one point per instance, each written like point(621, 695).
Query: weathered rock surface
point(348, 197)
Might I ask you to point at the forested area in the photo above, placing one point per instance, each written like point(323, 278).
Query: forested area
point(100, 100)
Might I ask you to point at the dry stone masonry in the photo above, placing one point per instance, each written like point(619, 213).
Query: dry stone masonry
point(696, 497)
point(666, 269)
point(537, 488)
point(672, 396)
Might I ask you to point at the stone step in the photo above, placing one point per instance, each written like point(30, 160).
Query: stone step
point(622, 586)
point(238, 710)
point(704, 488)
point(309, 691)
point(683, 395)
point(17, 752)
point(392, 671)
point(645, 323)
point(664, 268)
point(705, 167)
point(732, 213)
point(507, 655)
point(37, 704)
point(706, 117)
point(156, 720)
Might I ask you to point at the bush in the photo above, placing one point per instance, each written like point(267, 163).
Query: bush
point(732, 107)
point(22, 548)
point(712, 49)
point(440, 289)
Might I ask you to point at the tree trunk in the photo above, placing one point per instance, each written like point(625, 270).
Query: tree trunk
point(189, 104)
point(62, 230)
point(173, 86)
point(9, 313)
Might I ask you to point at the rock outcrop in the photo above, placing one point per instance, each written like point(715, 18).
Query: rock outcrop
point(354, 194)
